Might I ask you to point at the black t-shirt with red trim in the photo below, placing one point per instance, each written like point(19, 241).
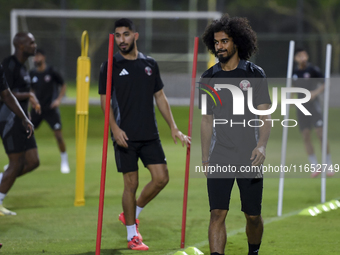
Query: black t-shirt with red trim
point(308, 78)
point(46, 85)
point(134, 83)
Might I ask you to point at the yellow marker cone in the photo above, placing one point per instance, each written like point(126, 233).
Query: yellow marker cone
point(308, 212)
point(181, 253)
point(331, 205)
point(193, 251)
point(316, 210)
point(323, 207)
point(336, 203)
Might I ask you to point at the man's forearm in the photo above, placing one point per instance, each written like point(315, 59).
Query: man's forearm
point(62, 92)
point(22, 95)
point(315, 93)
point(264, 131)
point(164, 108)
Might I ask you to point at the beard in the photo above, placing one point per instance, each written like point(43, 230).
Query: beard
point(127, 50)
point(225, 59)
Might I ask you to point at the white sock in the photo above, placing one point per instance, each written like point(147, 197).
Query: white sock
point(131, 232)
point(312, 159)
point(64, 158)
point(138, 211)
point(2, 197)
point(1, 174)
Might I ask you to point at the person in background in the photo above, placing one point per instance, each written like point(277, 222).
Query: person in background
point(49, 87)
point(21, 150)
point(309, 77)
point(136, 83)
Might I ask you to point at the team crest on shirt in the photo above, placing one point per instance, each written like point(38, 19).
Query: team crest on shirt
point(306, 75)
point(47, 78)
point(244, 85)
point(35, 79)
point(148, 70)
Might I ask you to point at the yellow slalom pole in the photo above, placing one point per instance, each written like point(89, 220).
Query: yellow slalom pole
point(82, 114)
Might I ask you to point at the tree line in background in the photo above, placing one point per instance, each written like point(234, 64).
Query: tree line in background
point(312, 23)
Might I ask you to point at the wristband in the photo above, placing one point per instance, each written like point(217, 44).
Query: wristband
point(204, 162)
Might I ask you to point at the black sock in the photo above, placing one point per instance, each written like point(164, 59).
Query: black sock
point(216, 253)
point(253, 249)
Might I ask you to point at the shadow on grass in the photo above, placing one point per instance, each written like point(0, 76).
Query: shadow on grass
point(104, 252)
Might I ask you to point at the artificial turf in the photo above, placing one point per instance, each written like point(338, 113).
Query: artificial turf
point(48, 223)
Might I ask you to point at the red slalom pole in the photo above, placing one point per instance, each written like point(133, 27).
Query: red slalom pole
point(105, 142)
point(187, 163)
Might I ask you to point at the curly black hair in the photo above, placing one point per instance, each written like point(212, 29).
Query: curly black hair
point(238, 29)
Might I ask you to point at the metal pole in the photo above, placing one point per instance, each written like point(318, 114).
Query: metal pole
point(14, 28)
point(325, 122)
point(285, 128)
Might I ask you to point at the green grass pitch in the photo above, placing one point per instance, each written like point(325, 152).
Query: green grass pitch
point(48, 223)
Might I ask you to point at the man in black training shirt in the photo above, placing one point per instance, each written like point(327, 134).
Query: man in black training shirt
point(49, 87)
point(21, 151)
point(136, 81)
point(309, 77)
point(238, 145)
point(13, 104)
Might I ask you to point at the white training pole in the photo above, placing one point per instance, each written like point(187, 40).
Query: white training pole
point(285, 128)
point(325, 122)
point(14, 28)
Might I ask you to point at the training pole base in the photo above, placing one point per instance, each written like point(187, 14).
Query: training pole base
point(79, 202)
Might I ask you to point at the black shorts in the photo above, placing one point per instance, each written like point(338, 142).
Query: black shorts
point(52, 117)
point(310, 121)
point(150, 152)
point(14, 137)
point(219, 191)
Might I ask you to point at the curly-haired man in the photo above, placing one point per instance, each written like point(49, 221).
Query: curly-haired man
point(240, 143)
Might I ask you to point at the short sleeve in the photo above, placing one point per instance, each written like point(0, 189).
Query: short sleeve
point(57, 77)
point(158, 83)
point(102, 79)
point(3, 82)
point(261, 92)
point(206, 79)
